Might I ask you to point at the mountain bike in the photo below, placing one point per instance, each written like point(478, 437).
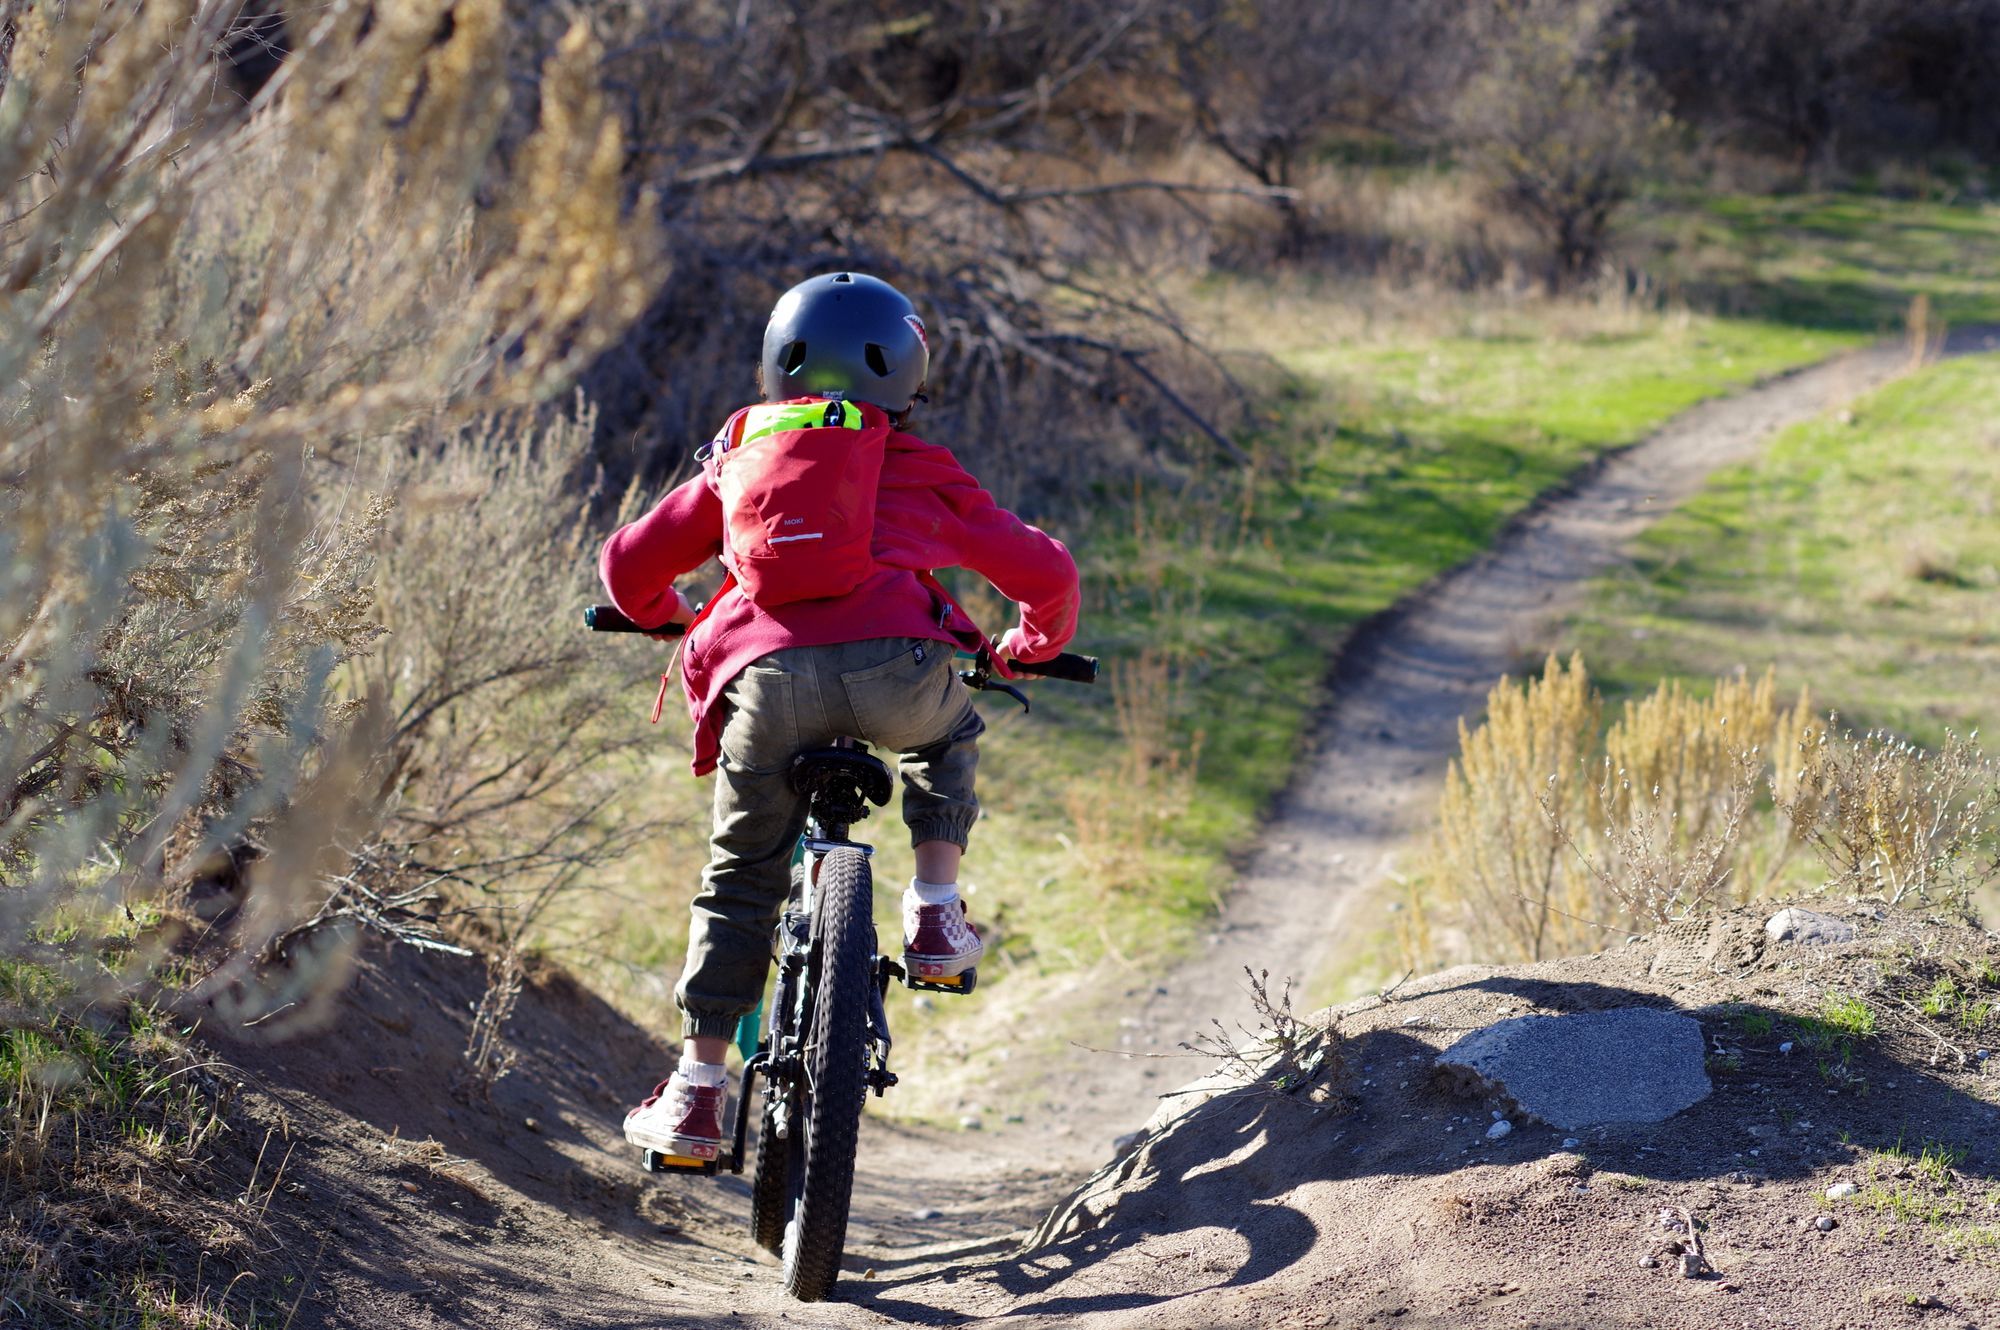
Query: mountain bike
point(828, 1042)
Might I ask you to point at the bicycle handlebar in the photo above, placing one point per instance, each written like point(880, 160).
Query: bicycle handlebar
point(607, 619)
point(1068, 666)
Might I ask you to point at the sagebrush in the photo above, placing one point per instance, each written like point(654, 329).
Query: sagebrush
point(1557, 836)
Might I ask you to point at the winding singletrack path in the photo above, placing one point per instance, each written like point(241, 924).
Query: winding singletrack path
point(1372, 780)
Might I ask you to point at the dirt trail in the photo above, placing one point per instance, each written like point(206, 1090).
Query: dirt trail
point(1406, 678)
point(545, 1222)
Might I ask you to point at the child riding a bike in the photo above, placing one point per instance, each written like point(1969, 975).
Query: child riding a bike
point(829, 520)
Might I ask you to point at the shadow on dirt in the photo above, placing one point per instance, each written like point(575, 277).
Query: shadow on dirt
point(1224, 1179)
point(406, 1219)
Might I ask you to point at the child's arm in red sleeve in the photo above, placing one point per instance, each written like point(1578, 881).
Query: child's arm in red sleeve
point(1028, 566)
point(640, 561)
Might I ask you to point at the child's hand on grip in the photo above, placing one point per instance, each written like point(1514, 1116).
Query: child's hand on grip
point(1009, 647)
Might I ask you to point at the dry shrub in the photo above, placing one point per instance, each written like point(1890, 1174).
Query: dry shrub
point(1552, 839)
point(1561, 125)
point(498, 776)
point(1894, 821)
point(206, 305)
point(1686, 751)
point(1494, 853)
point(1285, 1054)
point(214, 309)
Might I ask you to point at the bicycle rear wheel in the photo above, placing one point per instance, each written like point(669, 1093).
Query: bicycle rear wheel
point(827, 1118)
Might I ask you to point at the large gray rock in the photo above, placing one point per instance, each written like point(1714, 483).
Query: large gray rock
point(1792, 924)
point(1623, 1067)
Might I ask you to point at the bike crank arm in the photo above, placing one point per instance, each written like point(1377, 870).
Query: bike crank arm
point(880, 1078)
point(750, 1070)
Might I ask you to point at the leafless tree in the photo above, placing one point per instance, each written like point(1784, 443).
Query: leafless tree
point(953, 148)
point(1564, 127)
point(1268, 81)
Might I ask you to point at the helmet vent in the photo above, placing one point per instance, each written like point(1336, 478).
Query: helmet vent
point(795, 357)
point(876, 360)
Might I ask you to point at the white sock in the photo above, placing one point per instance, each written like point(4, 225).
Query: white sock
point(933, 893)
point(708, 1074)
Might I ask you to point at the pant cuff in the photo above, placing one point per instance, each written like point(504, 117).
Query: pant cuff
point(954, 826)
point(708, 1025)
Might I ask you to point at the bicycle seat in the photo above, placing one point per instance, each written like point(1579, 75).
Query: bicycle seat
point(853, 771)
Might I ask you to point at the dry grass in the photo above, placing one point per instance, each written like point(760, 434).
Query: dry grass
point(1896, 822)
point(212, 309)
point(1119, 812)
point(1554, 840)
point(217, 315)
point(132, 1194)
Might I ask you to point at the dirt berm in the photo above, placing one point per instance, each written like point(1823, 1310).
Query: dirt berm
point(1372, 1194)
point(1350, 1187)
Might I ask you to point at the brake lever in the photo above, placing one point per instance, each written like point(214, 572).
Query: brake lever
point(980, 679)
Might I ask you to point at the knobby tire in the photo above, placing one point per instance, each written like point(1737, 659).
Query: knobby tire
point(824, 1134)
point(768, 1196)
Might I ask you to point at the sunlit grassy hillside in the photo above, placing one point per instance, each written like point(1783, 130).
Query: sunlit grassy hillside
point(1860, 554)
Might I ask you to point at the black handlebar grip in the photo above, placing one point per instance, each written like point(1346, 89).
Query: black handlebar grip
point(607, 619)
point(1070, 666)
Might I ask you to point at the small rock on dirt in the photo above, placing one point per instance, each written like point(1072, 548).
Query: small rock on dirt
point(1499, 1129)
point(925, 1214)
point(1793, 924)
point(1840, 1191)
point(971, 1122)
point(1825, 1223)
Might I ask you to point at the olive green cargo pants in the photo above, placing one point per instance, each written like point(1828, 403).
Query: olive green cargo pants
point(896, 693)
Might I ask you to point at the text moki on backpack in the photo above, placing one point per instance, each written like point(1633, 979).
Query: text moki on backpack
point(798, 482)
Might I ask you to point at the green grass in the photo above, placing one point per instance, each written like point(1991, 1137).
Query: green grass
point(1390, 464)
point(1843, 1021)
point(1834, 260)
point(1386, 462)
point(1859, 556)
point(1923, 1191)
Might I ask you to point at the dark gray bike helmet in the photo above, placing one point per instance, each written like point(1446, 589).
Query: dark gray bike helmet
point(846, 335)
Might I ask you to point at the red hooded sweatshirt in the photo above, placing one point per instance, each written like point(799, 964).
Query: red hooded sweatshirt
point(930, 514)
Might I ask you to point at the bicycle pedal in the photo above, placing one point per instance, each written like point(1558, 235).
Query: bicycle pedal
point(963, 982)
point(657, 1161)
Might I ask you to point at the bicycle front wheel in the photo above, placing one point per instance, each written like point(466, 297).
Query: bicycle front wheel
point(820, 1176)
